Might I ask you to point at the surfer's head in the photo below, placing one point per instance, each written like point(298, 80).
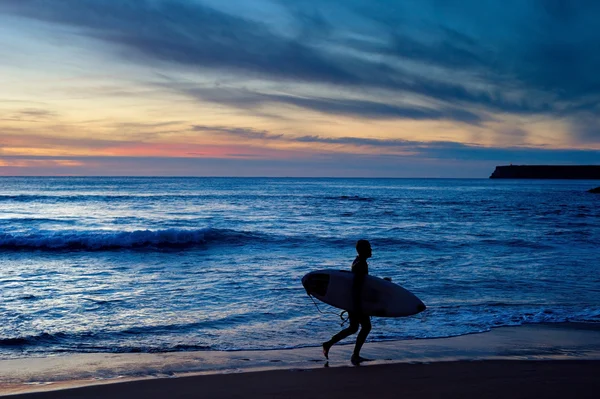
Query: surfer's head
point(363, 247)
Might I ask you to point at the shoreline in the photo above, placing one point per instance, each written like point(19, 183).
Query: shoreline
point(562, 342)
point(460, 379)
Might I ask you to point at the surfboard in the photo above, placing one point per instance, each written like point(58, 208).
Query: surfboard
point(379, 297)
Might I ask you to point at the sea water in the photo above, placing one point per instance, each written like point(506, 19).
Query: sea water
point(177, 264)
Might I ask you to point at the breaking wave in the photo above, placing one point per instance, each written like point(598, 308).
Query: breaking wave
point(104, 240)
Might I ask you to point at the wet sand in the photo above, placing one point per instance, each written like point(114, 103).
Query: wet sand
point(484, 379)
point(556, 360)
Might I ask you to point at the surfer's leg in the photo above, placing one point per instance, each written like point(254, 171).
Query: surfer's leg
point(326, 347)
point(365, 323)
point(352, 329)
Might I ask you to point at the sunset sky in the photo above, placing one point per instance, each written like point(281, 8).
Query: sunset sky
point(436, 88)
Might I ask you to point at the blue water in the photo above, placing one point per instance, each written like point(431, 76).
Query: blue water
point(167, 264)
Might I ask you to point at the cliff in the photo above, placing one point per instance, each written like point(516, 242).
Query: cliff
point(547, 172)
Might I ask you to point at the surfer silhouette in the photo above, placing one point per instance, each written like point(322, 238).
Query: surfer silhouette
point(360, 268)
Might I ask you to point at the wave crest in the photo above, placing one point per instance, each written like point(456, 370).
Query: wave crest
point(105, 240)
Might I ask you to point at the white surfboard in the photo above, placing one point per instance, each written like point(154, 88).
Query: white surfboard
point(379, 297)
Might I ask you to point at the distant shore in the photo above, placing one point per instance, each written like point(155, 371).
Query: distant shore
point(510, 356)
point(571, 172)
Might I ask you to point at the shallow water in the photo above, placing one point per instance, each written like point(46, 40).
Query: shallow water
point(168, 264)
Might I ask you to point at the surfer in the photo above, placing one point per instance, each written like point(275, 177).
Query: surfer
point(360, 268)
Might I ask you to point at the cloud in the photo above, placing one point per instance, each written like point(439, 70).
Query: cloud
point(432, 150)
point(586, 128)
point(187, 33)
point(246, 99)
point(145, 125)
point(461, 59)
point(37, 113)
point(30, 115)
point(248, 133)
point(358, 141)
point(195, 36)
point(376, 110)
point(253, 134)
point(441, 150)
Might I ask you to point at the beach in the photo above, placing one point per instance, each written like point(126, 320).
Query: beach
point(486, 379)
point(524, 361)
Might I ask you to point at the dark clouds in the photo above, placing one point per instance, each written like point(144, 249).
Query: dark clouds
point(190, 34)
point(246, 99)
point(440, 150)
point(253, 134)
point(566, 49)
point(465, 58)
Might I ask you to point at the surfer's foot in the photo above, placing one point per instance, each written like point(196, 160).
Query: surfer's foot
point(356, 360)
point(326, 347)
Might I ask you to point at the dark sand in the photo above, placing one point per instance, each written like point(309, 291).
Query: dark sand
point(531, 361)
point(477, 379)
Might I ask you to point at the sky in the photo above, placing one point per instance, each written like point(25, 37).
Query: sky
point(316, 88)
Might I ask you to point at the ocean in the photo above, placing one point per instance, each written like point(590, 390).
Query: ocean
point(128, 265)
